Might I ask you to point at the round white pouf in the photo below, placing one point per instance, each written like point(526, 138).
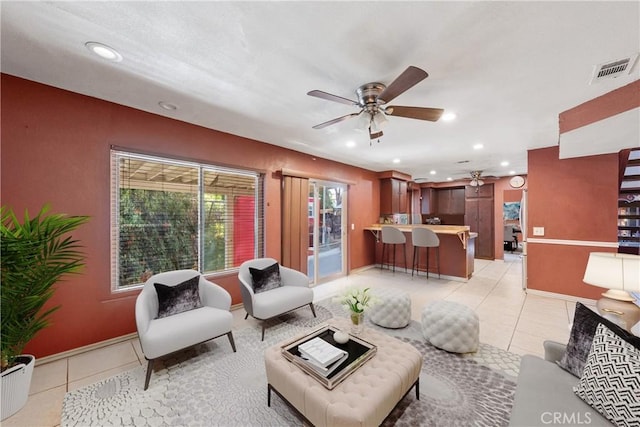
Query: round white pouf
point(392, 309)
point(451, 326)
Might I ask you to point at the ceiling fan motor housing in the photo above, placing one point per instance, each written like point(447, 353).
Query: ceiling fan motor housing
point(368, 96)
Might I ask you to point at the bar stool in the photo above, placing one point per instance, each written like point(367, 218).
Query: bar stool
point(424, 238)
point(393, 236)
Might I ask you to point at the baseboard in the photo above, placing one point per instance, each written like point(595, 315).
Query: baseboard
point(585, 301)
point(98, 345)
point(80, 350)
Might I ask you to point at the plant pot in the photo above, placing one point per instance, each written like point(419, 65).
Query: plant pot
point(15, 385)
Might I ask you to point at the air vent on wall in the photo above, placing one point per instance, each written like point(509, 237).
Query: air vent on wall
point(611, 69)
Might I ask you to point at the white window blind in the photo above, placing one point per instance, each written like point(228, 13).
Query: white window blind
point(169, 214)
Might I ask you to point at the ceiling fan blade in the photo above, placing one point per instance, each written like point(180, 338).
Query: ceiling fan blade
point(337, 120)
point(420, 113)
point(330, 97)
point(409, 78)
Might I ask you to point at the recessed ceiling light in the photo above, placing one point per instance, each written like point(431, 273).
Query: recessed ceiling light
point(432, 172)
point(449, 178)
point(447, 117)
point(351, 144)
point(505, 163)
point(512, 172)
point(396, 160)
point(104, 51)
point(167, 106)
point(478, 146)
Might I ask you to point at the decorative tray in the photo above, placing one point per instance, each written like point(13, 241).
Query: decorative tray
point(359, 352)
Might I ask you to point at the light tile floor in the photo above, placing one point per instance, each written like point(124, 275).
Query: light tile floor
point(509, 319)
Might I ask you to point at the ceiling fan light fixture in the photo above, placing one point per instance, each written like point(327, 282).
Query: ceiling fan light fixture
point(380, 120)
point(364, 120)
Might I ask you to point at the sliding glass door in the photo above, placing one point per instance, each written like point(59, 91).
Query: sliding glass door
point(327, 219)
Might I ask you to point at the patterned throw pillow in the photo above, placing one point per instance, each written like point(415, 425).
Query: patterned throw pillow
point(265, 279)
point(611, 379)
point(585, 322)
point(184, 296)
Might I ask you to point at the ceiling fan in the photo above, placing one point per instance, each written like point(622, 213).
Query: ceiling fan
point(475, 179)
point(373, 99)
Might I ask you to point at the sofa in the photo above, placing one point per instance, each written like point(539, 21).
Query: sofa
point(544, 393)
point(592, 380)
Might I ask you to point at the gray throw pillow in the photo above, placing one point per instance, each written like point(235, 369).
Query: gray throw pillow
point(610, 382)
point(176, 299)
point(585, 323)
point(266, 279)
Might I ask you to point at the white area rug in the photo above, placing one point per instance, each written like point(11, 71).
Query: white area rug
point(210, 385)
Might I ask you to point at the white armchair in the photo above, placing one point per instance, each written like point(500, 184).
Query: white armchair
point(166, 335)
point(293, 294)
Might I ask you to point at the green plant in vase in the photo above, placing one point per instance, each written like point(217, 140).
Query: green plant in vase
point(356, 300)
point(35, 254)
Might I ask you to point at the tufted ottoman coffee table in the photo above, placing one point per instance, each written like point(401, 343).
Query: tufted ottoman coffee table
point(451, 326)
point(392, 309)
point(365, 398)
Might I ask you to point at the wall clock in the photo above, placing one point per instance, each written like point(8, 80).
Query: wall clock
point(516, 181)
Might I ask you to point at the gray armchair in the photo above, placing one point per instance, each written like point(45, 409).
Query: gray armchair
point(166, 335)
point(293, 294)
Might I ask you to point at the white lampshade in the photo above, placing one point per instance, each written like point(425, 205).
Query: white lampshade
point(620, 273)
point(380, 120)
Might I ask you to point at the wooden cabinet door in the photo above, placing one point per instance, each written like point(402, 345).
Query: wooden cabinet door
point(427, 202)
point(485, 243)
point(479, 217)
point(402, 196)
point(386, 194)
point(456, 201)
point(393, 196)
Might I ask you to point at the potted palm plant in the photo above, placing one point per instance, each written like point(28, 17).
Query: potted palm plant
point(35, 254)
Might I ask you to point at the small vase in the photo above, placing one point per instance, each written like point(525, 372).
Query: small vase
point(357, 323)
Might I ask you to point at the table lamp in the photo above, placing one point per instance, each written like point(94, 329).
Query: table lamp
point(620, 273)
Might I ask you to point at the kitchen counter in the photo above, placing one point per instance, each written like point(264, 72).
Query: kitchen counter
point(457, 249)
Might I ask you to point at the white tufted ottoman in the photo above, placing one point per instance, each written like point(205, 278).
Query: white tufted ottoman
point(451, 326)
point(393, 309)
point(365, 398)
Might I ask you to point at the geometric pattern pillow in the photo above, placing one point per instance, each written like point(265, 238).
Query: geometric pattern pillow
point(184, 296)
point(610, 382)
point(585, 322)
point(266, 279)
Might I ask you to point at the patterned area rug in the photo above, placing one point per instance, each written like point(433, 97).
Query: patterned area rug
point(210, 385)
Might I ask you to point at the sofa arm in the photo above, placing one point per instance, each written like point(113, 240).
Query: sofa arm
point(553, 351)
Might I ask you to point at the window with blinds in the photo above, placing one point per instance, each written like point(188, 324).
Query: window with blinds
point(169, 215)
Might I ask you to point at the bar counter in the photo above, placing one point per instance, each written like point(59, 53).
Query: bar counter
point(457, 250)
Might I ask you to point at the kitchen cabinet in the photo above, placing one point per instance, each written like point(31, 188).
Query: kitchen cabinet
point(427, 201)
point(485, 190)
point(393, 196)
point(450, 201)
point(479, 217)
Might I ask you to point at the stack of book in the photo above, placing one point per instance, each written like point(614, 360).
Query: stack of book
point(322, 356)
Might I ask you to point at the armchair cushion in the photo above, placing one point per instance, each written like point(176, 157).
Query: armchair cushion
point(175, 299)
point(265, 279)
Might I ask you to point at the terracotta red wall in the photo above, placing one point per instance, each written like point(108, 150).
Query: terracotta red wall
point(607, 105)
point(574, 200)
point(56, 149)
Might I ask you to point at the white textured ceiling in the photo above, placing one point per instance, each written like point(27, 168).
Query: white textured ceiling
point(507, 69)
